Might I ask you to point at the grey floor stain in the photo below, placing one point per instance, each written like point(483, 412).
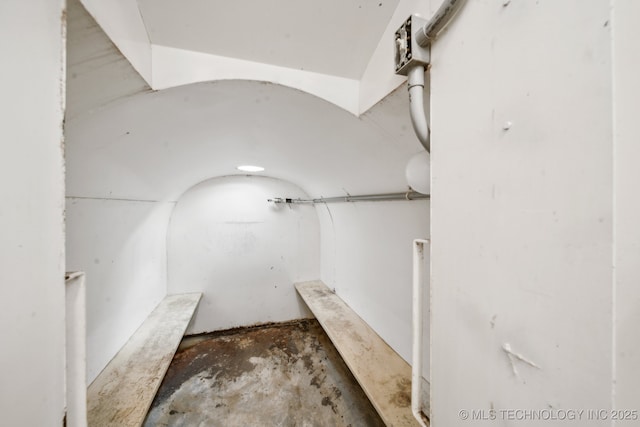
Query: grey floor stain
point(277, 375)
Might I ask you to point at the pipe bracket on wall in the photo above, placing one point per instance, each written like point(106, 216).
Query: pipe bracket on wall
point(409, 53)
point(412, 61)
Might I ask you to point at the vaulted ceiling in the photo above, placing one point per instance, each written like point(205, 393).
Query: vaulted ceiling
point(126, 140)
point(341, 51)
point(333, 37)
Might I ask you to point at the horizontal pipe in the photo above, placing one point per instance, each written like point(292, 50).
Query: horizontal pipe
point(409, 195)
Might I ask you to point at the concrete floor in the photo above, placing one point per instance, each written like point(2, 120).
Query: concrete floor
point(279, 375)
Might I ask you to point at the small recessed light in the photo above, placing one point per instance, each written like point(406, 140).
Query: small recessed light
point(249, 168)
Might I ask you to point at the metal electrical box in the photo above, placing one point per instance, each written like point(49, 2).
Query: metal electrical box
point(408, 52)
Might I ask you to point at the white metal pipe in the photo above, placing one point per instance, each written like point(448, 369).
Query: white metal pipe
point(415, 82)
point(75, 350)
point(424, 37)
point(440, 19)
point(383, 197)
point(416, 366)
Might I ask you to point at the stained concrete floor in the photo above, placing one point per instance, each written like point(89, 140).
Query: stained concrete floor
point(278, 375)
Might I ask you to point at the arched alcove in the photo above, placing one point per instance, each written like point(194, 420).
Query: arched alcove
point(129, 161)
point(241, 251)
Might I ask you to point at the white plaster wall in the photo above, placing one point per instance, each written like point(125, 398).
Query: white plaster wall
point(366, 257)
point(243, 253)
point(121, 246)
point(626, 68)
point(522, 218)
point(32, 294)
point(118, 240)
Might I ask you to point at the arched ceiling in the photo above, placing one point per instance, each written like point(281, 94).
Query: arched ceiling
point(331, 37)
point(126, 141)
point(339, 51)
point(156, 145)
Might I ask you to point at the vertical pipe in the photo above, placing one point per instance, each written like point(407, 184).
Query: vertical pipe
point(416, 366)
point(415, 83)
point(424, 37)
point(76, 350)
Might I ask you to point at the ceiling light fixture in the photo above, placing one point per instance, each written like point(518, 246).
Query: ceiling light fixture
point(249, 168)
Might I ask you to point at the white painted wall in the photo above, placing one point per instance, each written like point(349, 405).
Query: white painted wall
point(121, 246)
point(32, 294)
point(243, 253)
point(118, 240)
point(626, 92)
point(367, 257)
point(522, 218)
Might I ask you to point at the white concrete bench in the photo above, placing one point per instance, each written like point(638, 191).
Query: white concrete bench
point(384, 376)
point(123, 392)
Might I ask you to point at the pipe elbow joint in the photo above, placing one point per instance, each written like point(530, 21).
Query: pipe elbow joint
point(415, 84)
